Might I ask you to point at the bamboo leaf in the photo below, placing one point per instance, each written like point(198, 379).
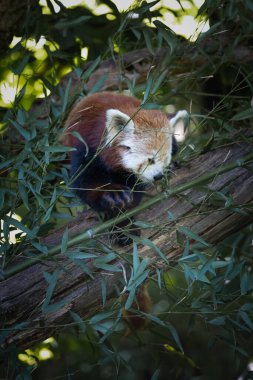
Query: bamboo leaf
point(107, 267)
point(246, 319)
point(247, 114)
point(57, 149)
point(80, 255)
point(99, 84)
point(193, 236)
point(71, 23)
point(21, 130)
point(18, 70)
point(51, 280)
point(130, 298)
point(148, 86)
point(19, 225)
point(136, 261)
point(64, 241)
point(66, 96)
point(101, 317)
point(86, 74)
point(79, 321)
point(103, 289)
point(156, 374)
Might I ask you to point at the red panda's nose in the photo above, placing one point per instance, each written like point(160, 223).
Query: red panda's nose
point(158, 176)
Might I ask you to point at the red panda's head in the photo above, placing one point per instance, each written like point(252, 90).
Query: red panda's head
point(144, 141)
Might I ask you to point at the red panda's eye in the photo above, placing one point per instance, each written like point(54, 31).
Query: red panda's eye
point(125, 147)
point(151, 161)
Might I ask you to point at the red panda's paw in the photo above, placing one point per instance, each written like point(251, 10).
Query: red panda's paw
point(116, 197)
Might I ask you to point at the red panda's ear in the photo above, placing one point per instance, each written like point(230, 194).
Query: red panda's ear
point(116, 122)
point(180, 117)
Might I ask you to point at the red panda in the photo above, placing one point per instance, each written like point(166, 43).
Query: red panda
point(124, 148)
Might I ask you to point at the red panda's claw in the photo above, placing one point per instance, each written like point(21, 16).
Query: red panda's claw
point(118, 199)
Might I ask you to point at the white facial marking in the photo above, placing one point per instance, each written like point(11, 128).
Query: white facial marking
point(145, 165)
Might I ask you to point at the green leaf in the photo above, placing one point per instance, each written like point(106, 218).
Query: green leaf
point(64, 241)
point(150, 106)
point(210, 31)
point(159, 282)
point(141, 267)
point(99, 84)
point(7, 163)
point(71, 23)
point(42, 248)
point(20, 95)
point(51, 280)
point(159, 81)
point(79, 321)
point(80, 138)
point(150, 244)
point(57, 149)
point(107, 267)
point(148, 86)
point(18, 70)
point(244, 281)
point(156, 374)
point(103, 289)
point(101, 317)
point(219, 321)
point(23, 194)
point(21, 130)
point(138, 280)
point(19, 225)
point(247, 114)
point(80, 264)
point(186, 248)
point(246, 319)
point(193, 236)
point(66, 96)
point(249, 4)
point(24, 374)
point(130, 298)
point(80, 255)
point(145, 7)
point(86, 74)
point(136, 261)
point(51, 206)
point(142, 224)
point(168, 35)
point(146, 34)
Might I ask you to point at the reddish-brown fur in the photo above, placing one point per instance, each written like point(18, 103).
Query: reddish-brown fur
point(88, 118)
point(98, 177)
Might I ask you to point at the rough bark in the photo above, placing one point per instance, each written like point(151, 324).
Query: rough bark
point(22, 295)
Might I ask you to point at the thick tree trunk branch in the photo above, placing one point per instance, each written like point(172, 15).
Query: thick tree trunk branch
point(22, 295)
point(134, 66)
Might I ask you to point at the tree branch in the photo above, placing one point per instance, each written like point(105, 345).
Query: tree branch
point(22, 295)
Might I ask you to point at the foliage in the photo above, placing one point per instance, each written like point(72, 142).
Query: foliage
point(206, 299)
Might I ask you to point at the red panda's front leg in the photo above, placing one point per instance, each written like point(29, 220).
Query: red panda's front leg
point(98, 187)
point(109, 198)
